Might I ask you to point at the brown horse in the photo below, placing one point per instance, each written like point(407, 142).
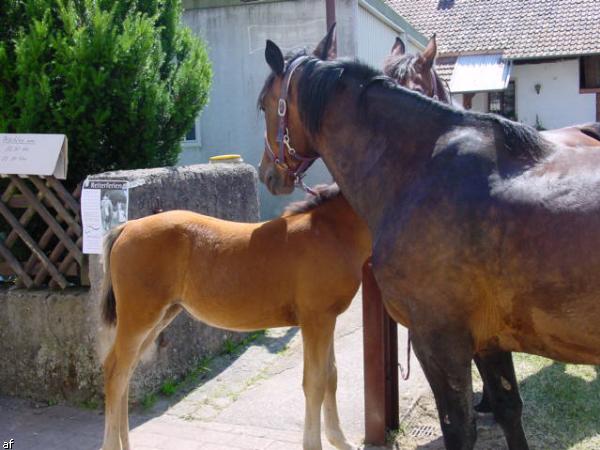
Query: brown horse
point(417, 73)
point(301, 269)
point(486, 236)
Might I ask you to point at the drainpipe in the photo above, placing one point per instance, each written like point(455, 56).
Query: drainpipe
point(330, 12)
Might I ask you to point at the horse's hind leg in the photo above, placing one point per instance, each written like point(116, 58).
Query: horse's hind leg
point(117, 370)
point(445, 355)
point(498, 374)
point(317, 336)
point(333, 430)
point(171, 313)
point(484, 405)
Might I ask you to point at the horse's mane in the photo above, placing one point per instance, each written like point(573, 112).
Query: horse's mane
point(319, 81)
point(325, 193)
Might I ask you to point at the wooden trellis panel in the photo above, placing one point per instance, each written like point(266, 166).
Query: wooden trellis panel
point(54, 253)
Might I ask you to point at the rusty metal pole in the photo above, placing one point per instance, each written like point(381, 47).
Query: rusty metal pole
point(380, 345)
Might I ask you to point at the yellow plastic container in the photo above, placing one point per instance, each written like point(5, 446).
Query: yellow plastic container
point(227, 159)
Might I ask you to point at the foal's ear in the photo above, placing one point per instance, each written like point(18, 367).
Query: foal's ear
point(327, 48)
point(430, 52)
point(398, 48)
point(274, 57)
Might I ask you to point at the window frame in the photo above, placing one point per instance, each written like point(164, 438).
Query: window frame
point(583, 89)
point(196, 143)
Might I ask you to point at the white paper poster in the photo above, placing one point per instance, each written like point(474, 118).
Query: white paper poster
point(104, 205)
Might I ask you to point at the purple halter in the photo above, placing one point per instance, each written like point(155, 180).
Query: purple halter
point(283, 136)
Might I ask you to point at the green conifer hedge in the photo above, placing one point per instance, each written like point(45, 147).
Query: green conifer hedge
point(123, 79)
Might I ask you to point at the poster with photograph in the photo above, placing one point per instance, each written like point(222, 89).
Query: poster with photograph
point(104, 205)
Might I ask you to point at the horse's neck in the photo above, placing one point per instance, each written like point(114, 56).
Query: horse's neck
point(346, 223)
point(372, 165)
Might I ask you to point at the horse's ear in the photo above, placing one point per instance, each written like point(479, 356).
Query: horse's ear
point(398, 49)
point(430, 52)
point(274, 57)
point(327, 48)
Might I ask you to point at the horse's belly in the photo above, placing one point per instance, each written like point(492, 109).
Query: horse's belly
point(565, 331)
point(242, 315)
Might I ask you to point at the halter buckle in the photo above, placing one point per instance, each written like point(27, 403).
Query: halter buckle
point(282, 108)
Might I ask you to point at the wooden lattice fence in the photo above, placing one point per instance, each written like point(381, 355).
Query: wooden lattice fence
point(41, 214)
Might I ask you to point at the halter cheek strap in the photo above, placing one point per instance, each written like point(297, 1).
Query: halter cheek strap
point(283, 136)
point(434, 85)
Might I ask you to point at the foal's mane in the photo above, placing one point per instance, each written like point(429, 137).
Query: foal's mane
point(325, 193)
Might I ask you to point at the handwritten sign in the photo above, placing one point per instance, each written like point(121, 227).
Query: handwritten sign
point(34, 154)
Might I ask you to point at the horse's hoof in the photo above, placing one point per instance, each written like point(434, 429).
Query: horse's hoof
point(483, 407)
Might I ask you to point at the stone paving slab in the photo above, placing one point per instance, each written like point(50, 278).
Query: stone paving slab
point(252, 400)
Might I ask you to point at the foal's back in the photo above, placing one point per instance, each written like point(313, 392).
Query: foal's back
point(243, 276)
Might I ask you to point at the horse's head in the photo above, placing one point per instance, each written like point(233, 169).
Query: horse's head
point(288, 151)
point(416, 72)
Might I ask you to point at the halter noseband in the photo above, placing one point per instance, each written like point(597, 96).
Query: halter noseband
point(283, 136)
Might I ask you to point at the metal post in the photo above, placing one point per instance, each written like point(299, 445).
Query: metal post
point(380, 342)
point(330, 12)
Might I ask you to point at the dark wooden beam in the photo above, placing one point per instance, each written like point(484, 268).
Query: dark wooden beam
point(468, 100)
point(597, 106)
point(380, 346)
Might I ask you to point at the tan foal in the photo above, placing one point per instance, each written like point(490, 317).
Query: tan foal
point(301, 269)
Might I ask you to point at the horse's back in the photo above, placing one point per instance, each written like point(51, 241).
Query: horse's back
point(506, 247)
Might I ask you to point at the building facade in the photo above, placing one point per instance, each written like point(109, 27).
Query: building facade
point(235, 32)
point(535, 61)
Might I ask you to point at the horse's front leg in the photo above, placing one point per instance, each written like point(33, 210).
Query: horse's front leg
point(317, 337)
point(499, 377)
point(445, 351)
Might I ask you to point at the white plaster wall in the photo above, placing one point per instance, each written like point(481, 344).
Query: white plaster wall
point(559, 103)
point(375, 38)
point(235, 37)
point(479, 102)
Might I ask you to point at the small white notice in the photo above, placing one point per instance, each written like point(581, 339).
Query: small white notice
point(34, 154)
point(104, 205)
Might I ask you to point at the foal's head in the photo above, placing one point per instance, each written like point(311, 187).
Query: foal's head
point(416, 72)
point(288, 151)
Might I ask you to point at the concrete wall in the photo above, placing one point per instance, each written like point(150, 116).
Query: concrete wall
point(52, 342)
point(236, 39)
point(559, 102)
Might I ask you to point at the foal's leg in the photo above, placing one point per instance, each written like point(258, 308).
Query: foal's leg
point(333, 431)
point(171, 313)
point(317, 336)
point(445, 354)
point(117, 370)
point(498, 374)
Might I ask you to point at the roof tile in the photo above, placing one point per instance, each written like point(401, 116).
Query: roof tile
point(520, 29)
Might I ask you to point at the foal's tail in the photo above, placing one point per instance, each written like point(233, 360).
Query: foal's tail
point(109, 305)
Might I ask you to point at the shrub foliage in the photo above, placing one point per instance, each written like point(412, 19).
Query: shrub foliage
point(123, 79)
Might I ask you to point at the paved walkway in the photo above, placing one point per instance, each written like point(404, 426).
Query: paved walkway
point(250, 401)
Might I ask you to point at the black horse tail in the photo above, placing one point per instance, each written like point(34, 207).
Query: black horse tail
point(109, 305)
point(591, 129)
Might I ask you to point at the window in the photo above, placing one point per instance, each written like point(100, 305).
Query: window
point(589, 73)
point(503, 102)
point(192, 137)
